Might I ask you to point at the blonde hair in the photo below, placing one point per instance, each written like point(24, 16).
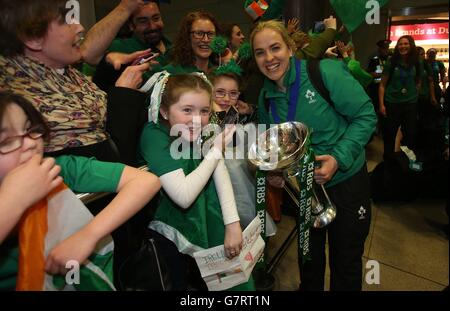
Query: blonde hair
point(277, 27)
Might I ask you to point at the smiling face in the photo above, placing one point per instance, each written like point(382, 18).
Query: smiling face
point(272, 54)
point(226, 87)
point(191, 110)
point(403, 46)
point(15, 122)
point(200, 46)
point(60, 47)
point(147, 24)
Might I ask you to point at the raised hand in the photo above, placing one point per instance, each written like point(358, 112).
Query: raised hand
point(35, 178)
point(330, 22)
point(224, 138)
point(131, 5)
point(132, 76)
point(293, 25)
point(243, 107)
point(117, 59)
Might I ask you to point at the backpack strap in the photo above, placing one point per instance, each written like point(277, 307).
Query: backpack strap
point(315, 76)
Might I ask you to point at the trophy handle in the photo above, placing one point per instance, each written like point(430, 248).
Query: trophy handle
point(323, 210)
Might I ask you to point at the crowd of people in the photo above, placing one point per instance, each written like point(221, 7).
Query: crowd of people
point(59, 126)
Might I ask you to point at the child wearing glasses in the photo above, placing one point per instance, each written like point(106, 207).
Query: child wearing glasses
point(229, 109)
point(27, 179)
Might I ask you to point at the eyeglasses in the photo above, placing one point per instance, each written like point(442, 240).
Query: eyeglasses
point(198, 34)
point(13, 143)
point(222, 93)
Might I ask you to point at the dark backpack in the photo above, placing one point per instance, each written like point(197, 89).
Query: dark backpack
point(315, 76)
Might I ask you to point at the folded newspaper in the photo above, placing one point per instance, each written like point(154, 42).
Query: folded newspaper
point(221, 273)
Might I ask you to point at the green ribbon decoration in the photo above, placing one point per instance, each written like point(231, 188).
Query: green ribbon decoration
point(260, 202)
point(305, 180)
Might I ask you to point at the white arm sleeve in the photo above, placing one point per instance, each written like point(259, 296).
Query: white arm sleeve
point(182, 189)
point(225, 192)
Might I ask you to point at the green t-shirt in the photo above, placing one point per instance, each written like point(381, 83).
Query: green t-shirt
point(436, 67)
point(80, 175)
point(342, 131)
point(424, 80)
point(178, 69)
point(401, 87)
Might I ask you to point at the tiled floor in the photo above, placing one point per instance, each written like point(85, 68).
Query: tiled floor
point(405, 240)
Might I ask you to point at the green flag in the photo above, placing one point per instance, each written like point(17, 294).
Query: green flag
point(354, 12)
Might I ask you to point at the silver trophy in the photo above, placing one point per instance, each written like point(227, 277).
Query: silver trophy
point(280, 149)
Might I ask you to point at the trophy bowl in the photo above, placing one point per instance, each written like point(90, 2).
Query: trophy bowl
point(280, 149)
point(280, 146)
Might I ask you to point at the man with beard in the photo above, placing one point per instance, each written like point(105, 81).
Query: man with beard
point(146, 25)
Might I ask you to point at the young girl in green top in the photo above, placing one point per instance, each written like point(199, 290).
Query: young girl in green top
point(26, 178)
point(197, 209)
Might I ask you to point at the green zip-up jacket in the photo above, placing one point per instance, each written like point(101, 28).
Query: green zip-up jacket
point(342, 131)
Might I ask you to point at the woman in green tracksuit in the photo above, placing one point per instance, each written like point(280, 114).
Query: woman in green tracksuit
point(340, 133)
point(398, 94)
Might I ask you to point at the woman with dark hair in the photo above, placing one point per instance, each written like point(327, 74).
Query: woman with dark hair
point(398, 95)
point(191, 51)
point(234, 35)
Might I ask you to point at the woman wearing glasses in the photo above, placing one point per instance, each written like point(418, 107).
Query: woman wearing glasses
point(191, 51)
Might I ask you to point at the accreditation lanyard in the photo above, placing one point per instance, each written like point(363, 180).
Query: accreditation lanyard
point(293, 97)
point(307, 170)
